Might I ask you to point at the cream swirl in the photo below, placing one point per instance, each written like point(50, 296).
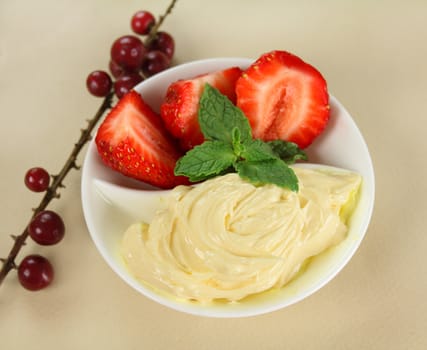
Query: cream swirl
point(227, 239)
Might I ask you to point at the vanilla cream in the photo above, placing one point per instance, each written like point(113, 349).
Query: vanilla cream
point(226, 238)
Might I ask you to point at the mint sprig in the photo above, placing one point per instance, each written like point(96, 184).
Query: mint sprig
point(229, 147)
point(207, 160)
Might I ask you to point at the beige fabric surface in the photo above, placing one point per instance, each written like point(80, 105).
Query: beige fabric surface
point(374, 57)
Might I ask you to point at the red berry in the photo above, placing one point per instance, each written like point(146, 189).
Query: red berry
point(128, 52)
point(125, 83)
point(115, 69)
point(164, 42)
point(37, 179)
point(35, 272)
point(154, 62)
point(118, 71)
point(99, 83)
point(142, 21)
point(46, 228)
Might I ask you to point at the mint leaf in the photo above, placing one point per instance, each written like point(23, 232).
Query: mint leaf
point(289, 152)
point(256, 150)
point(272, 171)
point(209, 159)
point(218, 117)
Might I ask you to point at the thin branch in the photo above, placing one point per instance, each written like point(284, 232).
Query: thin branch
point(155, 28)
point(52, 192)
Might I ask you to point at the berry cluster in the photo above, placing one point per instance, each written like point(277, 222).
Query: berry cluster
point(45, 228)
point(131, 59)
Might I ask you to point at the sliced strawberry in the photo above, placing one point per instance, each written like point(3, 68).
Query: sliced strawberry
point(179, 109)
point(133, 141)
point(284, 98)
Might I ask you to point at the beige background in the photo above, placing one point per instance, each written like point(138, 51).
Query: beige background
point(374, 57)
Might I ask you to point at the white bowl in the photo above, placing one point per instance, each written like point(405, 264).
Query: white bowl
point(341, 145)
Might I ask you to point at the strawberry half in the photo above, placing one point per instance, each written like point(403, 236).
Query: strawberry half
point(133, 141)
point(179, 109)
point(284, 98)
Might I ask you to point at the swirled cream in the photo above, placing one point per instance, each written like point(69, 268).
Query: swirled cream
point(227, 239)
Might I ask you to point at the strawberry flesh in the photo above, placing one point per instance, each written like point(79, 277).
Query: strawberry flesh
point(284, 98)
point(179, 109)
point(133, 141)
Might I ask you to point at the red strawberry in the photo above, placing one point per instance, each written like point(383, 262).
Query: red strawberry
point(284, 98)
point(179, 109)
point(133, 141)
